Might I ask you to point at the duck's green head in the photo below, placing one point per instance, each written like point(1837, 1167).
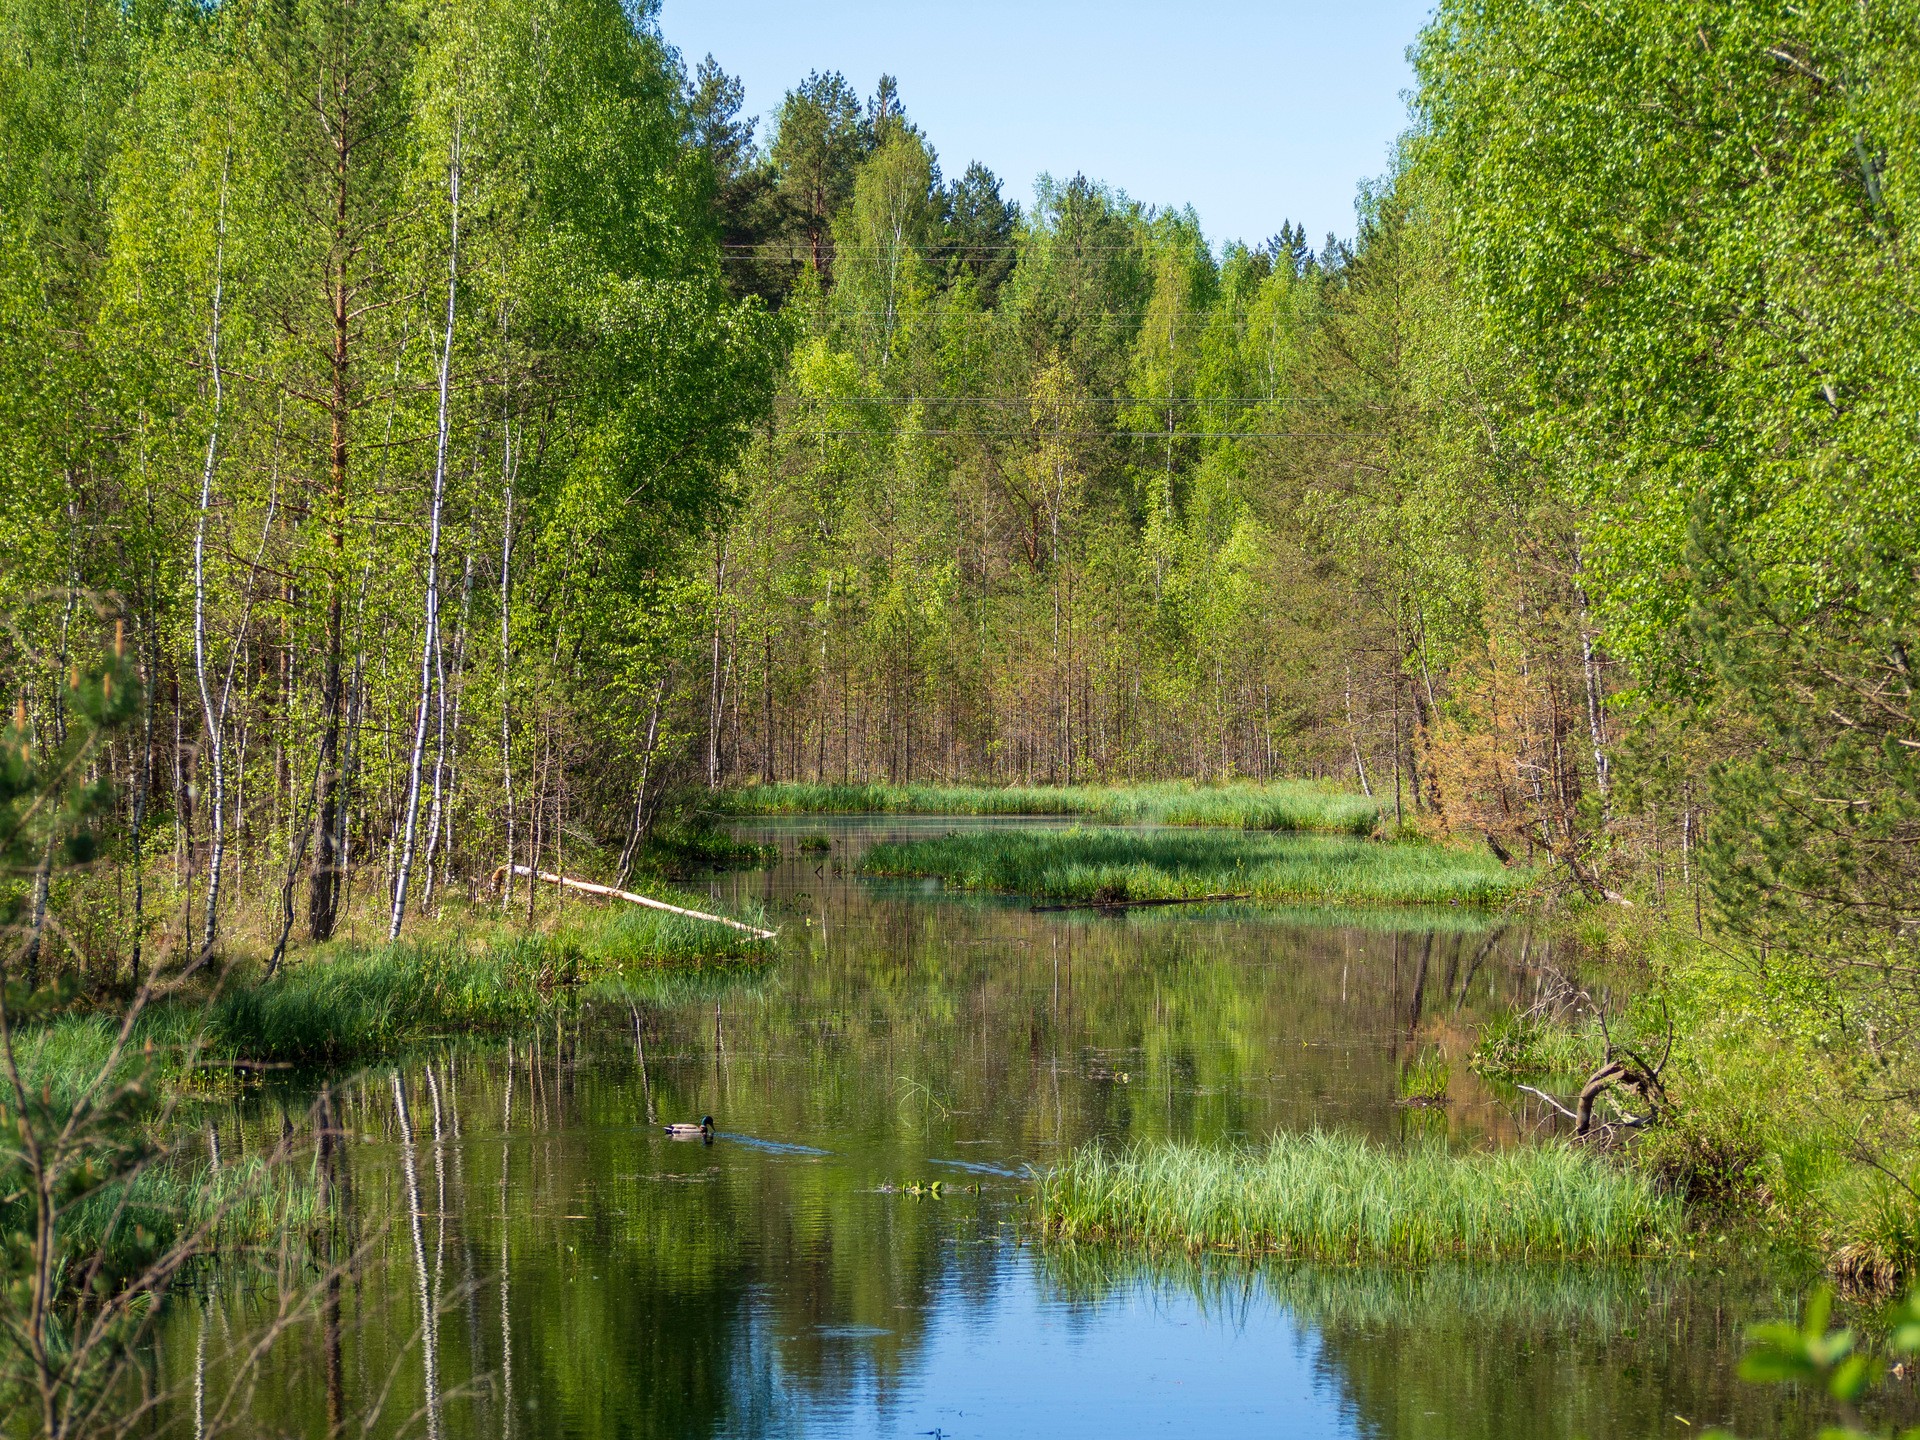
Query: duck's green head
point(706, 1122)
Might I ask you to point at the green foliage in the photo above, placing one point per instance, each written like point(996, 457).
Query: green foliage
point(1694, 291)
point(1113, 866)
point(1813, 1353)
point(1335, 1197)
point(54, 803)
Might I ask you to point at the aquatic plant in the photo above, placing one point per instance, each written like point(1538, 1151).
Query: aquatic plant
point(1280, 805)
point(353, 1004)
point(1424, 1077)
point(1327, 1196)
point(1112, 866)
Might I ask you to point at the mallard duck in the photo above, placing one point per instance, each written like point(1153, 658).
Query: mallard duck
point(683, 1131)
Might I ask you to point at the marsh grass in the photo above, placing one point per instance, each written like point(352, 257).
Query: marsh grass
point(242, 1205)
point(1424, 1077)
point(1326, 1196)
point(349, 1004)
point(1282, 805)
point(1106, 865)
point(129, 1219)
point(357, 1004)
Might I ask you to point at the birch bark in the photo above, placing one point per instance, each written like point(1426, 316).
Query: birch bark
point(431, 643)
point(213, 717)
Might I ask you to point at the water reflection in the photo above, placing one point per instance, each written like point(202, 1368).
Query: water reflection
point(522, 1252)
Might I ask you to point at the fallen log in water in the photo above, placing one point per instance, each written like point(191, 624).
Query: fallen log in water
point(588, 887)
point(1138, 904)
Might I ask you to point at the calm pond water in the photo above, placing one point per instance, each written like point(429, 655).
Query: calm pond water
point(536, 1259)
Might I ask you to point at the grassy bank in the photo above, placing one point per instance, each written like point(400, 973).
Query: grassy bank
point(1116, 865)
point(350, 1004)
point(1325, 1196)
point(1283, 805)
point(1791, 1115)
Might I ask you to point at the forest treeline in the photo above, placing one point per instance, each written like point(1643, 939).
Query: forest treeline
point(478, 427)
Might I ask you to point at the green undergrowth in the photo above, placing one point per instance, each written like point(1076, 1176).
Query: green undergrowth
point(1111, 866)
point(1788, 1127)
point(1281, 805)
point(349, 1004)
point(1327, 1196)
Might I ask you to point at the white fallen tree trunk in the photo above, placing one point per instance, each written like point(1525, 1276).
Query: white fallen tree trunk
point(588, 887)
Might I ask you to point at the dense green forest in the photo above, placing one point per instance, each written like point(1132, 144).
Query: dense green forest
point(478, 433)
point(435, 440)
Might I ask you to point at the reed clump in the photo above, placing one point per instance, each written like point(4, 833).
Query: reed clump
point(1116, 866)
point(1280, 805)
point(1326, 1196)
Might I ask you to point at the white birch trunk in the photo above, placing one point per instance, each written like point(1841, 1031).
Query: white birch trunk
point(431, 642)
point(506, 653)
point(1353, 739)
point(440, 828)
point(214, 720)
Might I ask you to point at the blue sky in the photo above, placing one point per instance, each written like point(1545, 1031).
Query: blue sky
point(1252, 113)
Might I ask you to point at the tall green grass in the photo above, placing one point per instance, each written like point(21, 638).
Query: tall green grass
point(353, 1005)
point(1282, 805)
point(348, 1004)
point(1120, 865)
point(1324, 1196)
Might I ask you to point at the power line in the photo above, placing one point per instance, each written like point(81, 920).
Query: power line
point(1046, 434)
point(804, 250)
point(1184, 320)
point(1017, 400)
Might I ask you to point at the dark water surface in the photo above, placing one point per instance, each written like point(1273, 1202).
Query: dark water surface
point(537, 1259)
